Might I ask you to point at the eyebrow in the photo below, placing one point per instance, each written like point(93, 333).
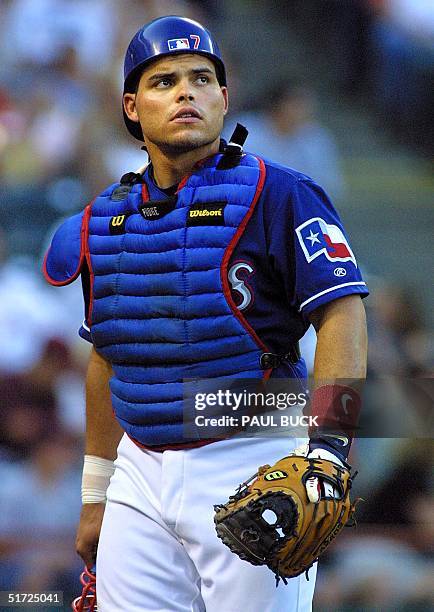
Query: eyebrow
point(171, 75)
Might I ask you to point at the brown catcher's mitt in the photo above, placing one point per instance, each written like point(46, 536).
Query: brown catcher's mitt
point(288, 515)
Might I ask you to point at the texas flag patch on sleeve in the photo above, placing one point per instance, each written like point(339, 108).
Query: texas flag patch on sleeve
point(318, 238)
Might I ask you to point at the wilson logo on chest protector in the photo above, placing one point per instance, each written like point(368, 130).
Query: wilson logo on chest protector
point(117, 224)
point(211, 213)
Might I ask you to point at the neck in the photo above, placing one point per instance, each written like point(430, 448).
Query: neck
point(169, 169)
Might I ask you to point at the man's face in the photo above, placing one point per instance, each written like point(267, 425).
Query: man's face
point(179, 103)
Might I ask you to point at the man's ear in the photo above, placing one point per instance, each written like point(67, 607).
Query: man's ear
point(129, 101)
point(225, 98)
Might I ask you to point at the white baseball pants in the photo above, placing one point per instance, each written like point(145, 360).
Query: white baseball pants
point(158, 550)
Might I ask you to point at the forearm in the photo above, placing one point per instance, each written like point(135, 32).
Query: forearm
point(341, 350)
point(103, 432)
point(339, 372)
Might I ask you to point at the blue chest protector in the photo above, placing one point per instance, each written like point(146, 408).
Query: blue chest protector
point(161, 310)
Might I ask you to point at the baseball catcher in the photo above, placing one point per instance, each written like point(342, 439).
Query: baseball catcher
point(207, 263)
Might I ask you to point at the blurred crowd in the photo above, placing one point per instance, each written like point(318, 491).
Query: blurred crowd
point(62, 140)
point(379, 54)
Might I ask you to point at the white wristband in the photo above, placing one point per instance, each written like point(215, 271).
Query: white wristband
point(96, 478)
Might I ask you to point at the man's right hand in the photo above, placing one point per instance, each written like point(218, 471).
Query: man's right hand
point(88, 532)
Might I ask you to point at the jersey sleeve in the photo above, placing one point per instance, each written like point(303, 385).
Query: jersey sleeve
point(326, 267)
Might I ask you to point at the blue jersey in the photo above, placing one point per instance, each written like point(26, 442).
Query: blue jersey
point(293, 251)
point(293, 257)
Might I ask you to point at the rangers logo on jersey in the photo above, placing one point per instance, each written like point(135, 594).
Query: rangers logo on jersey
point(317, 237)
point(244, 295)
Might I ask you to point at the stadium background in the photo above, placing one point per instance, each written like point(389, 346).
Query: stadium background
point(342, 90)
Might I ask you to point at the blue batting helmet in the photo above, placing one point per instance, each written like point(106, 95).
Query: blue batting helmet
point(167, 36)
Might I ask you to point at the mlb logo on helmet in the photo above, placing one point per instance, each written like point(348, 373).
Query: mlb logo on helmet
point(317, 237)
point(178, 43)
point(175, 44)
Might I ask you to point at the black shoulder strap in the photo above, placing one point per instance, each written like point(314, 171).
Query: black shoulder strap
point(233, 151)
point(127, 182)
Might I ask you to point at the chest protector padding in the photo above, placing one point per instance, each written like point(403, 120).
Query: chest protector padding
point(160, 310)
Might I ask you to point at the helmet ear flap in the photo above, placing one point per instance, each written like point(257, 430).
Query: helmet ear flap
point(167, 36)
